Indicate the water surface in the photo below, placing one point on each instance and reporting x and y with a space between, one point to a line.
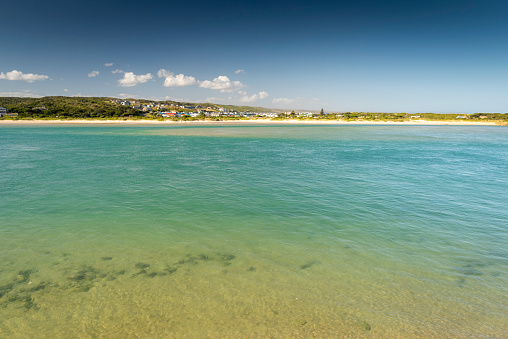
253 231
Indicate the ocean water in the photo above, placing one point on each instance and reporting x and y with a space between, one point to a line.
216 231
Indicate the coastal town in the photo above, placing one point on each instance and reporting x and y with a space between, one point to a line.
100 108
175 110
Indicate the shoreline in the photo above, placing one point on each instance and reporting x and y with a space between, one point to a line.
247 122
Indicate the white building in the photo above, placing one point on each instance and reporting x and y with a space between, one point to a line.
3 111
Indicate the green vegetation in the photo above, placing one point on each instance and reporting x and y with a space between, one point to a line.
67 107
246 108
349 116
59 107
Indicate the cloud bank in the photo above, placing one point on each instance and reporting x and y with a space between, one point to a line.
128 96
223 84
17 75
24 94
285 101
130 79
172 80
253 97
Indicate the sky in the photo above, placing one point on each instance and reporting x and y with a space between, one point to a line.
364 56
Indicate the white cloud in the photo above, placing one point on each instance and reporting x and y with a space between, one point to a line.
172 80
299 102
81 95
130 79
128 96
116 71
239 71
222 83
108 64
66 90
93 74
24 94
253 97
212 99
17 75
167 97
285 101
164 98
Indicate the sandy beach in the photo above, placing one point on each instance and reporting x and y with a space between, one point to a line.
244 122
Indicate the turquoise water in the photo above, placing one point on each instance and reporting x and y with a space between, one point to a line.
253 231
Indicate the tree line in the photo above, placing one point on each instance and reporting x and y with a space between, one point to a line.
67 107
101 107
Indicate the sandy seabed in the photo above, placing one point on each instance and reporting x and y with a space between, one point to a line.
245 122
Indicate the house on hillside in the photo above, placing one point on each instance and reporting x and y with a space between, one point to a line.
269 114
209 112
3 111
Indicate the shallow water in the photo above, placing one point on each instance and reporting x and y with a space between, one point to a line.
253 231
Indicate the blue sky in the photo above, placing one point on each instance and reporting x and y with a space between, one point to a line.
377 56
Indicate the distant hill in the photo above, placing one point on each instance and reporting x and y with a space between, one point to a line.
97 107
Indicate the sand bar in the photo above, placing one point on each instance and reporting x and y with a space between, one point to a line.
245 122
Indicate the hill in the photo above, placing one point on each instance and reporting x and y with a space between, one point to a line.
102 107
